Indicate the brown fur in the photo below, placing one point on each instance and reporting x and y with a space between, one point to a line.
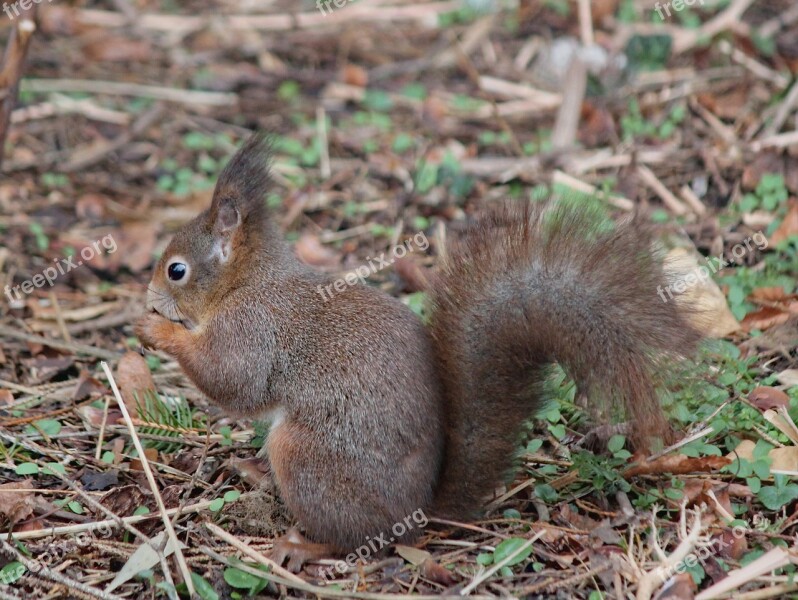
528 286
364 398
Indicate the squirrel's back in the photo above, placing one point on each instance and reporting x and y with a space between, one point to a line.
529 285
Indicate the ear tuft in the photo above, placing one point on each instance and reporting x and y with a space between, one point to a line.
245 180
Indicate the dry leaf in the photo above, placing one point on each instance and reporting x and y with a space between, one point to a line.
150 453
415 556
678 587
731 546
764 318
744 449
91 206
601 9
788 377
116 49
783 422
87 387
764 162
784 459
93 416
775 293
765 398
678 464
355 75
143 558
15 503
789 226
136 245
134 379
434 572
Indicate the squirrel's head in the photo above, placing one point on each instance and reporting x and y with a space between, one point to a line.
209 254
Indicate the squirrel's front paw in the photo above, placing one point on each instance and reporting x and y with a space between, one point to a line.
154 331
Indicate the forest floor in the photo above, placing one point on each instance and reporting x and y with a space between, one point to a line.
395 122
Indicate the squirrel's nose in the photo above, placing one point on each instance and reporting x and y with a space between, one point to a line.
152 298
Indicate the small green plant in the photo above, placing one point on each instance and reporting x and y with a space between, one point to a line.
229 497
755 470
447 173
508 547
243 582
779 494
42 241
634 125
770 193
170 420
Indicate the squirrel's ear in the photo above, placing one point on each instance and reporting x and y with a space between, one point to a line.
240 194
225 221
245 179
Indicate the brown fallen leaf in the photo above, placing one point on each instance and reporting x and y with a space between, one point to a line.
6 397
784 459
744 449
765 295
124 500
91 206
789 226
788 377
87 387
355 75
15 502
678 464
136 463
765 398
134 380
764 162
109 48
678 587
601 9
431 570
764 318
696 491
415 556
598 126
94 416
731 546
136 245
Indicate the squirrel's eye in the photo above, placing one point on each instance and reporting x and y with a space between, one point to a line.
177 271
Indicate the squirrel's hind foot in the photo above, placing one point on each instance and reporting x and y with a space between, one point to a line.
299 550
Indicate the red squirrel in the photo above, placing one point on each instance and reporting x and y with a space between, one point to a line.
375 415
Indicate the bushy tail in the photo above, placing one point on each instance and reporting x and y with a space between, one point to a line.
530 285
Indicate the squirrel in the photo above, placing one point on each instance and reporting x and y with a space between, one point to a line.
375 415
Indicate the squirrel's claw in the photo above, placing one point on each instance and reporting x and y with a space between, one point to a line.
298 550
